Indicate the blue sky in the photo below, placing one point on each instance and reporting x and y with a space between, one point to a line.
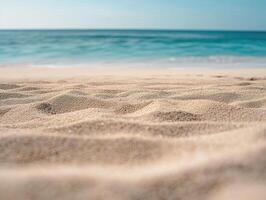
143 14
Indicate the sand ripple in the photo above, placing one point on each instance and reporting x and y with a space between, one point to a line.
165 137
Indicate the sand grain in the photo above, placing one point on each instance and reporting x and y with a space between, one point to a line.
132 136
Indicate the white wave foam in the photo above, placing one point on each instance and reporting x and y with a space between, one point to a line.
172 62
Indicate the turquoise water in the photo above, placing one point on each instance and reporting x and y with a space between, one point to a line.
60 47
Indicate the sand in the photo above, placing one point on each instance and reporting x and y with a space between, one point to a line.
93 134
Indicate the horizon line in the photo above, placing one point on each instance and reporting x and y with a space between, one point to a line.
128 29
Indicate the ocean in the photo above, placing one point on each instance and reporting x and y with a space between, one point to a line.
152 47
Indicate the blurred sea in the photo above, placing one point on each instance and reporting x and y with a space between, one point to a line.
158 47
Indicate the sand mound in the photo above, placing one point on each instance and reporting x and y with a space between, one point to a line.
164 136
172 116
71 101
9 95
8 86
4 111
130 108
216 111
20 114
29 88
258 103
46 108
244 84
154 106
225 97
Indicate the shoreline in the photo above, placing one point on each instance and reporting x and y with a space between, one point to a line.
18 73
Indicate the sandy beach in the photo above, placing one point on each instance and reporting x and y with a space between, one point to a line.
150 135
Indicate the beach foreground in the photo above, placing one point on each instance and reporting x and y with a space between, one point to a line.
80 134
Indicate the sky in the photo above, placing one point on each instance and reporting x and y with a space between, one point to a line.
133 14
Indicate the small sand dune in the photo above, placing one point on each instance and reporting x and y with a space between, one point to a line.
145 136
172 116
8 86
